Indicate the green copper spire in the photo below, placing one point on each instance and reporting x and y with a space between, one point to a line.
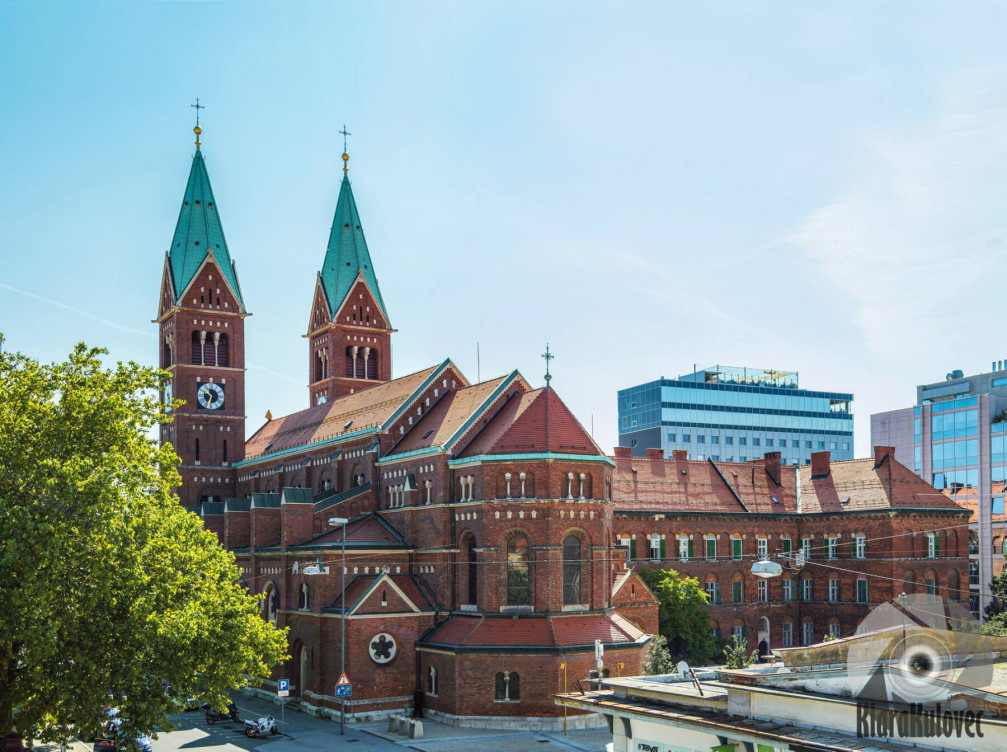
199 231
347 255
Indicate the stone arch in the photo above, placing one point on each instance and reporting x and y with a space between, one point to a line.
954 585
909 582
576 567
270 605
468 580
518 580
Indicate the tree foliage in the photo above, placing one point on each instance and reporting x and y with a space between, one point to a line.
110 587
659 660
998 603
736 655
684 622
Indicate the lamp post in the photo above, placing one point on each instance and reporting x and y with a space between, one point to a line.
343 521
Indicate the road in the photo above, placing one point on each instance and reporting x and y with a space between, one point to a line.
306 734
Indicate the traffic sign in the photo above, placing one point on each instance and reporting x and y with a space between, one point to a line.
344 690
283 688
343 680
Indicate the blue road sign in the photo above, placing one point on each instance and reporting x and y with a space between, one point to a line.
344 690
283 687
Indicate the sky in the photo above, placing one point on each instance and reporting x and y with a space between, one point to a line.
818 187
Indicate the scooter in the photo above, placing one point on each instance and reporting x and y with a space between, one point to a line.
212 716
266 724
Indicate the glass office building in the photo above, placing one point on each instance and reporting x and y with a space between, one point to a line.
955 437
733 414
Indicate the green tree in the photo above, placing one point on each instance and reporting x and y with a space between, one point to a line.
659 659
998 603
110 587
736 655
684 622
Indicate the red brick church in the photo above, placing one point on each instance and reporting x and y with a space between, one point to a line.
481 563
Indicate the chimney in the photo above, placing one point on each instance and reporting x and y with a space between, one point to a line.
655 454
880 452
679 454
623 452
819 464
772 461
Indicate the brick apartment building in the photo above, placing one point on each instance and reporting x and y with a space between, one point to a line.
870 529
481 566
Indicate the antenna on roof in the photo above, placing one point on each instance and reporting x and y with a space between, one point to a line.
479 370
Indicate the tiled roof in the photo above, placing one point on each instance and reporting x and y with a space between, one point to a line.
671 485
447 416
541 632
535 421
857 485
417 593
697 486
370 529
197 231
367 408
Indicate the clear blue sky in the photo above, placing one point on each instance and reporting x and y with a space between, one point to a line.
808 186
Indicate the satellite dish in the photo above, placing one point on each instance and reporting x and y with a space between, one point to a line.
765 568
684 671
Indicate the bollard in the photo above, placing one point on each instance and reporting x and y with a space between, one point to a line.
400 727
416 730
393 723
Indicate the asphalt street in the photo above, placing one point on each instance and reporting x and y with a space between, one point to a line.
303 733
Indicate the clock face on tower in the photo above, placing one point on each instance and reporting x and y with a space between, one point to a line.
210 396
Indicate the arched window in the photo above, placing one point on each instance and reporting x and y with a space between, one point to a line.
303 684
166 355
351 362
302 600
223 351
571 570
518 572
223 457
197 451
319 374
954 585
197 349
271 602
209 349
371 365
508 687
432 681
473 572
909 582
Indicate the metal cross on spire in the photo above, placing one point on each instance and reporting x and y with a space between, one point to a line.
197 130
346 156
547 356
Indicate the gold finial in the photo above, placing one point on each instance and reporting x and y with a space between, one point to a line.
346 155
269 414
197 130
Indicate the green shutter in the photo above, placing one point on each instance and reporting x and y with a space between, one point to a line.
736 548
662 550
937 545
692 549
632 550
711 548
786 546
737 592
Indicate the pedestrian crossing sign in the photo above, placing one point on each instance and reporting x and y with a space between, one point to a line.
344 680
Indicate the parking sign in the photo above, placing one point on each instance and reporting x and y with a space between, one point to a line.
283 688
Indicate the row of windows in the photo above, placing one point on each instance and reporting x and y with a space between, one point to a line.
955 454
686 438
506 685
210 349
829 548
740 631
954 425
788 590
956 479
518 571
735 421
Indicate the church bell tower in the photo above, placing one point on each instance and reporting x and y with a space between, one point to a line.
349 331
202 345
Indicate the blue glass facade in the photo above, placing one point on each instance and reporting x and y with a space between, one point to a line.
718 418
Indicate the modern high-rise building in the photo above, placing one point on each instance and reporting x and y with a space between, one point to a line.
954 437
731 414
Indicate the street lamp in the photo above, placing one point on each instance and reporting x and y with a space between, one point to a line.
342 521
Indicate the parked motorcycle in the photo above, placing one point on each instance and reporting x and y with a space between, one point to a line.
266 724
212 716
